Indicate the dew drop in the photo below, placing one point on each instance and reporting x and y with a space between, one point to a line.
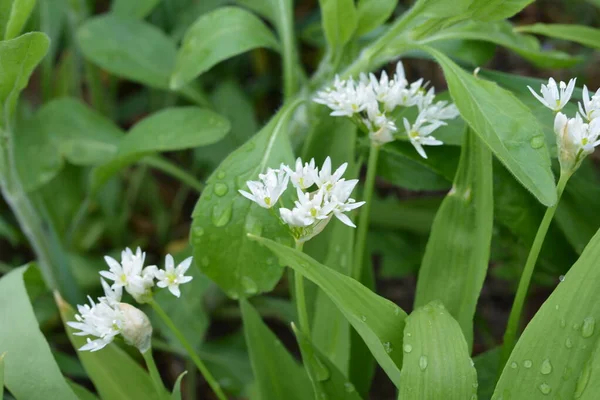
545 388
568 343
408 334
388 347
363 318
546 367
563 323
475 385
249 285
557 307
583 380
473 397
221 216
349 387
576 326
198 231
589 324
537 142
407 348
527 363
221 189
423 363
220 175
514 365
561 278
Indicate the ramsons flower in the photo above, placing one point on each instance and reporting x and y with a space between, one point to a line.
370 102
554 96
171 277
590 109
131 274
575 139
269 189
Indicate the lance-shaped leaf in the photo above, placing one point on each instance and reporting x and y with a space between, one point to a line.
277 374
493 10
114 373
13 16
378 321
328 381
223 217
339 19
176 393
217 36
558 354
584 35
505 125
371 14
456 258
24 350
436 361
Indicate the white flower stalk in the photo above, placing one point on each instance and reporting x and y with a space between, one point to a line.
370 102
575 140
302 177
269 189
419 134
171 277
554 96
131 274
590 109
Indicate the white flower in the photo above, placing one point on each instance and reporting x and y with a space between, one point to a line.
346 97
419 134
324 177
575 139
271 186
551 97
440 110
171 277
381 128
303 176
340 201
308 209
590 108
131 274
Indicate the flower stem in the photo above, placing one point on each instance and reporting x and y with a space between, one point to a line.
301 299
510 335
154 374
363 219
190 350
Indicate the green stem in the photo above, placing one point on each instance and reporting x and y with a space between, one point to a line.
190 350
301 299
285 29
154 374
510 334
363 219
174 170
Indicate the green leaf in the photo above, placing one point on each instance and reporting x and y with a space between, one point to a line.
222 216
2 375
442 8
558 351
114 373
26 352
170 129
18 59
584 35
436 362
486 365
217 36
13 16
492 10
378 321
456 259
339 19
503 33
277 374
133 8
128 48
81 392
505 125
371 14
412 215
176 394
328 381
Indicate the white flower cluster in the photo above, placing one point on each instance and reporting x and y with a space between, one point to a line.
369 103
312 209
575 137
109 317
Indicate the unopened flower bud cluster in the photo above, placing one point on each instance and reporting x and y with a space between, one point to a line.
370 101
578 136
319 194
108 317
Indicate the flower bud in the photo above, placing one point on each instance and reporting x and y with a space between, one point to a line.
137 329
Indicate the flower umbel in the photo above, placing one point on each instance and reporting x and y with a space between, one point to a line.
131 274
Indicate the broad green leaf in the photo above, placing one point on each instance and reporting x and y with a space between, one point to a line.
339 19
217 36
277 374
223 217
128 48
81 392
378 321
26 352
436 362
13 16
584 35
371 14
18 59
328 381
557 355
486 365
442 8
176 394
503 33
114 373
456 259
492 10
505 125
170 129
133 8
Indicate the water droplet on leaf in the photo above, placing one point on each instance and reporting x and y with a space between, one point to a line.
589 324
407 348
388 347
537 142
514 365
546 367
568 343
221 216
545 388
249 285
583 380
220 175
527 363
349 387
423 363
221 189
